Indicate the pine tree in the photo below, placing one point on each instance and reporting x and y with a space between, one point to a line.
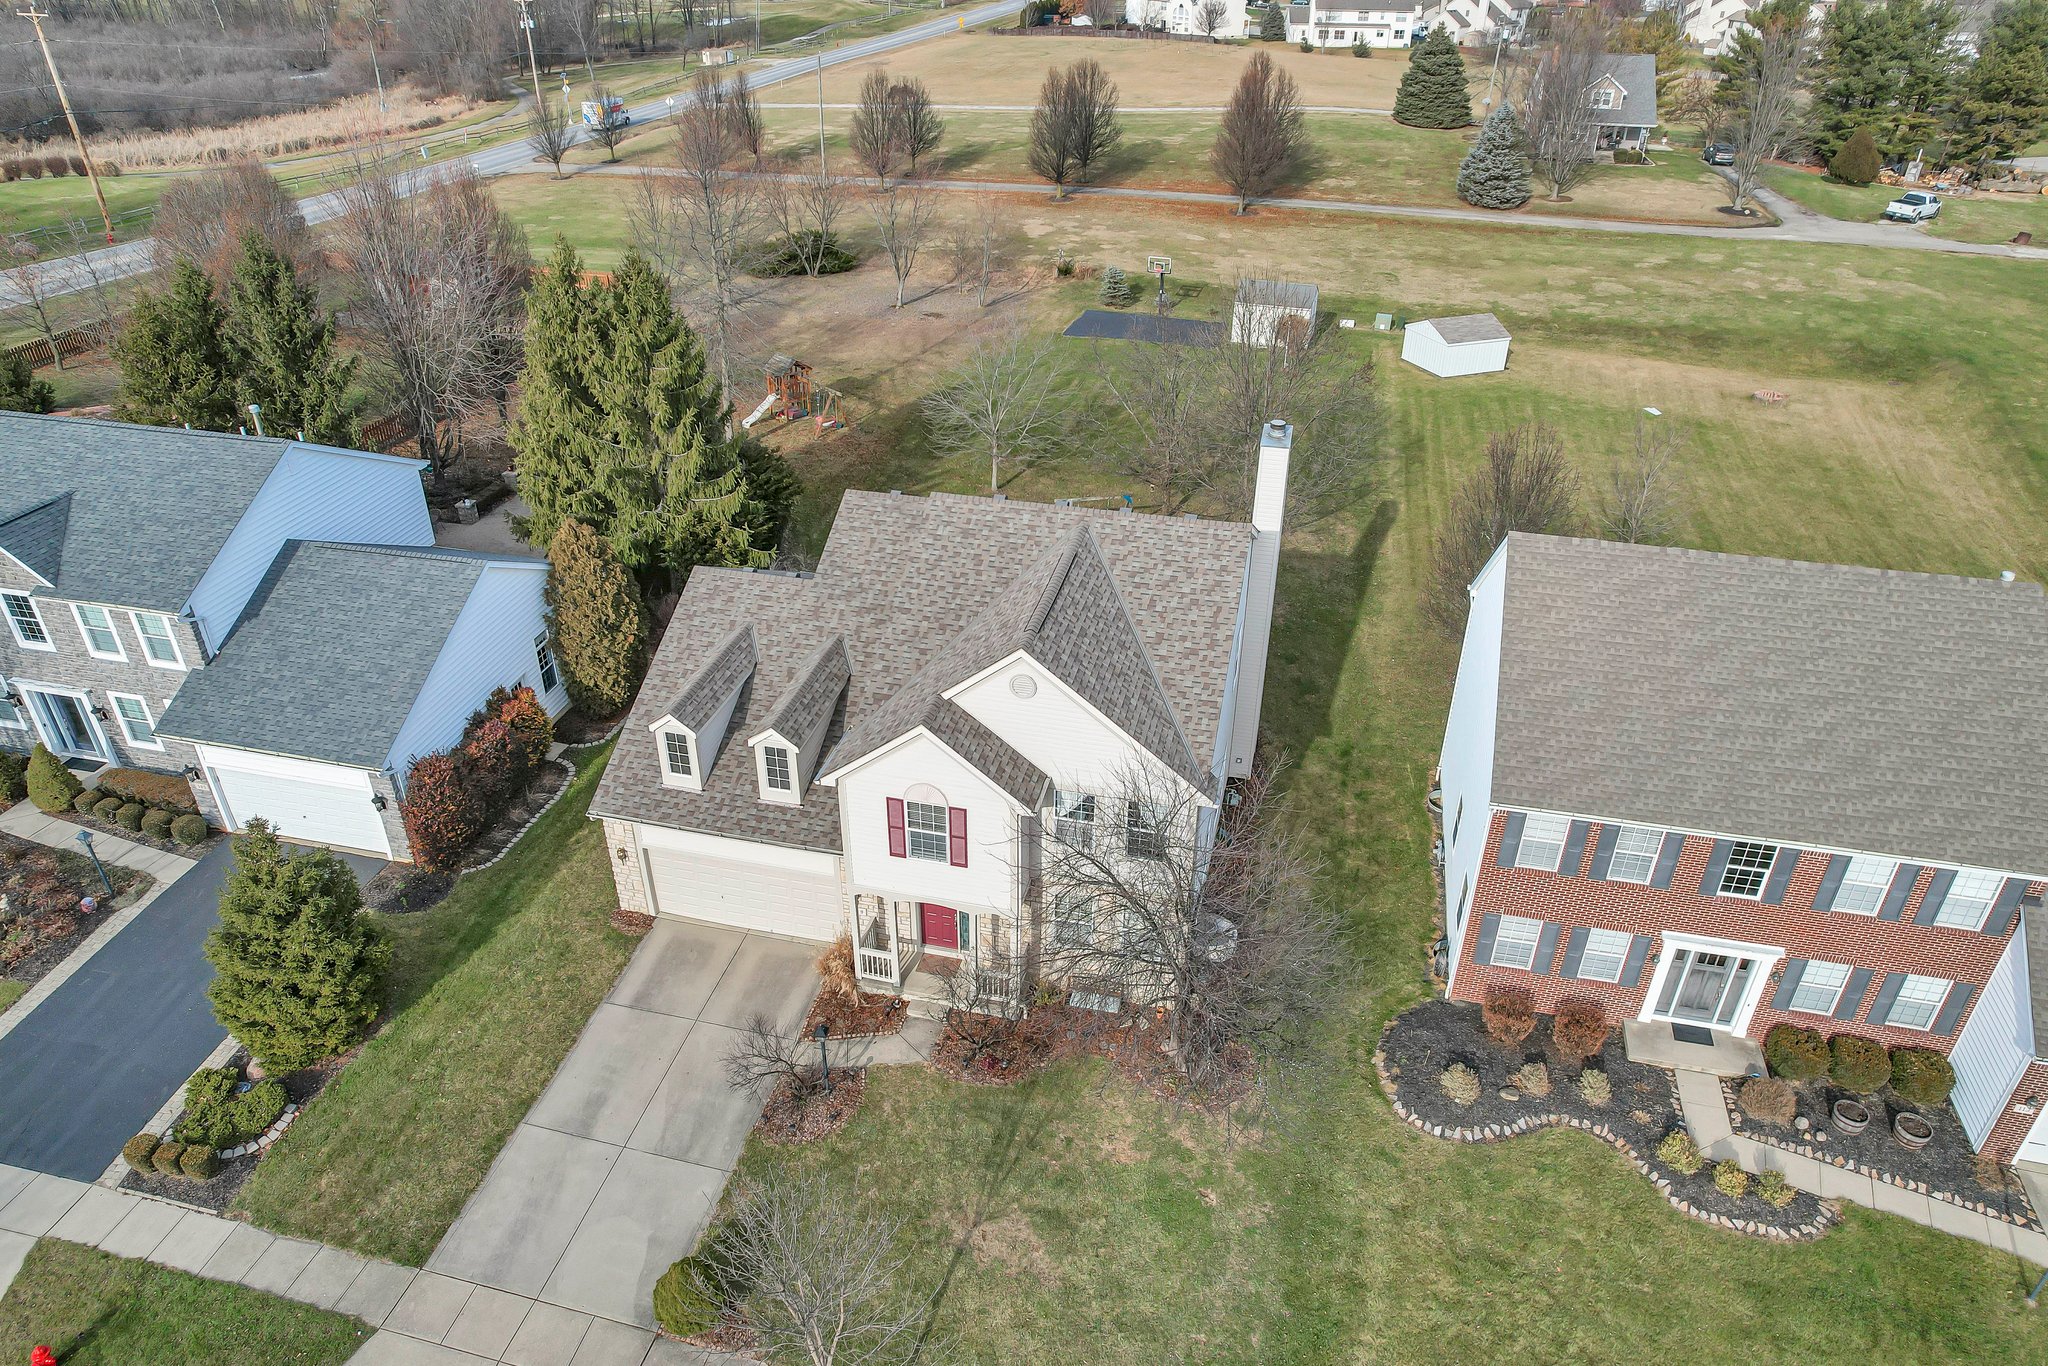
595 619
297 970
1273 24
1858 162
2004 105
20 390
1495 173
281 349
1433 92
174 366
1116 289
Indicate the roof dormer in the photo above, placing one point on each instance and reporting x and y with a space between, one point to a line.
792 735
689 733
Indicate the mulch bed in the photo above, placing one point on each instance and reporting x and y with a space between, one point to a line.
576 727
1946 1167
218 1191
43 887
732 1335
787 1120
845 1019
401 889
1421 1043
549 781
987 1051
100 827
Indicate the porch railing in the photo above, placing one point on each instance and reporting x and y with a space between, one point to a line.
875 956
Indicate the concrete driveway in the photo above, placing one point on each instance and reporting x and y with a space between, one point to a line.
616 1169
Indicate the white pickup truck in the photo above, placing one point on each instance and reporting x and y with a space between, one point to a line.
1914 206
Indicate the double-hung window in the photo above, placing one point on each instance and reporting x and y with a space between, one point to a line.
1864 883
1969 899
1635 854
545 657
1074 819
1820 988
1603 98
1918 1002
1514 942
11 716
159 646
1603 955
924 830
98 629
675 748
1143 836
26 622
136 722
775 764
1073 920
1749 867
1542 842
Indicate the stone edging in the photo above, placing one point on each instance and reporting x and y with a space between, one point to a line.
1850 1164
261 1143
1491 1133
569 770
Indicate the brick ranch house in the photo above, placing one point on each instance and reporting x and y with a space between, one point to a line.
1724 793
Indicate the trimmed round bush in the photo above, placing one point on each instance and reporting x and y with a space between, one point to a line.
1594 1087
138 1151
106 808
1858 1064
1731 1180
1858 161
1774 1190
51 786
218 1115
129 817
167 1157
199 1161
681 1305
1922 1076
189 829
1460 1083
1534 1079
1769 1099
1510 1013
85 801
156 823
1680 1153
1579 1029
1796 1054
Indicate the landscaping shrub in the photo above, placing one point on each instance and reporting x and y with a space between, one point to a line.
1579 1029
199 1161
1774 1190
85 801
167 1157
1858 1064
106 808
1594 1087
1307 46
138 1151
188 830
682 1304
1796 1054
13 777
156 823
595 620
1359 49
1769 1099
1460 1083
1434 92
789 257
1629 156
1858 161
1922 1076
1510 1013
151 789
1680 1153
1534 1079
219 1116
1495 173
1731 1180
1273 25
838 971
443 811
129 816
452 798
1116 288
51 786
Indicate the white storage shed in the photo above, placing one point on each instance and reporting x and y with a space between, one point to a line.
1273 312
1474 344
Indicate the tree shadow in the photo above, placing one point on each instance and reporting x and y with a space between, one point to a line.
1321 595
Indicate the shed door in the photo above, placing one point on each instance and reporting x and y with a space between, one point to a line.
337 811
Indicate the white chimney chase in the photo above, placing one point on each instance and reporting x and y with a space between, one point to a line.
1269 509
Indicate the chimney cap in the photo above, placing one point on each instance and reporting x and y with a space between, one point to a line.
2006 576
1276 427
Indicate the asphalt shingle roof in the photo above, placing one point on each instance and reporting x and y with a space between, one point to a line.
120 514
812 694
2034 943
331 652
1278 294
1850 708
1469 327
705 691
1636 73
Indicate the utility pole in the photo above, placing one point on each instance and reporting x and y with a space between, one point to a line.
36 17
526 22
821 117
377 22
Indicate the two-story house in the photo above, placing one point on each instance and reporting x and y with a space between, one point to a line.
1218 19
876 748
1392 23
252 612
1624 100
1476 23
1717 793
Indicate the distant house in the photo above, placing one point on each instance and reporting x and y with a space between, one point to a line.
1273 312
1471 344
1624 98
1343 23
1713 24
1198 18
1476 23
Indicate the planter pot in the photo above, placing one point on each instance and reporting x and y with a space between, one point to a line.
1849 1117
1912 1132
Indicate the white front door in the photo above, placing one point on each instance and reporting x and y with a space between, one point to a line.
65 722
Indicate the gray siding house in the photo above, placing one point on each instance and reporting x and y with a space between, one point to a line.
1624 99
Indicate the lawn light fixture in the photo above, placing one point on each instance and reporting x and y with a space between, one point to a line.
85 838
377 800
824 1063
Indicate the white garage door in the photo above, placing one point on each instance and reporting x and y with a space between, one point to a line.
302 809
800 902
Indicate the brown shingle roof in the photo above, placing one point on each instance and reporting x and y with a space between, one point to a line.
705 690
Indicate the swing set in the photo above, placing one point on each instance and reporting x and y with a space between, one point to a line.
792 394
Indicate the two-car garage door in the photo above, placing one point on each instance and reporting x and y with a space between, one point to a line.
791 892
306 802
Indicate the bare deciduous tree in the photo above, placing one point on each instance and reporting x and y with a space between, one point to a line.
1263 135
1209 18
983 243
1691 100
981 1010
762 1054
549 132
806 204
1525 485
202 218
1560 124
1770 98
1006 403
85 241
29 280
1167 393
439 277
904 217
1075 124
869 135
820 1275
1643 489
915 123
894 124
609 132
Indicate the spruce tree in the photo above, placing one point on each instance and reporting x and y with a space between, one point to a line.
297 971
1116 289
1495 173
20 390
1273 24
1858 162
1434 93
595 619
281 348
174 365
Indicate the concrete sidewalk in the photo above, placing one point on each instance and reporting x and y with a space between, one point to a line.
24 821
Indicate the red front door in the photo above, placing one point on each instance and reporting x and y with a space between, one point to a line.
941 926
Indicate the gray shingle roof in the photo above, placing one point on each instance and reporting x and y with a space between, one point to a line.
705 691
331 652
1850 708
1636 73
148 507
2034 931
812 694
916 587
1278 293
1469 327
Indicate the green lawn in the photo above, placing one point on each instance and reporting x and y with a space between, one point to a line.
11 991
489 990
26 205
1980 218
95 1310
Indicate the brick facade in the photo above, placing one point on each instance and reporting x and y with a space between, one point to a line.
2027 1099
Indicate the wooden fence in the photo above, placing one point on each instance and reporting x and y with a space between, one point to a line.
74 341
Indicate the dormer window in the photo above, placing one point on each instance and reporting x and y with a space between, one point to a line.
676 755
775 768
1603 97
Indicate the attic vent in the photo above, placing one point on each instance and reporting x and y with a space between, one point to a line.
1023 685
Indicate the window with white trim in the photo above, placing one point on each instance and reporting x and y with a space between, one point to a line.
1604 953
545 657
1864 883
1635 854
924 830
1603 97
1144 831
675 749
159 645
1073 920
775 766
1542 842
98 629
11 716
1969 899
1749 867
1074 819
26 622
1820 988
1918 1002
136 722
1514 942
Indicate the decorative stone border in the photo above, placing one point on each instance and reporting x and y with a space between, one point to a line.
1493 1133
1850 1164
261 1143
569 770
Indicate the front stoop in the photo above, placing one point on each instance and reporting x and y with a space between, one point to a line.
1730 1055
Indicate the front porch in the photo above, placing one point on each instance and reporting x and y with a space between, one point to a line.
913 949
1692 1048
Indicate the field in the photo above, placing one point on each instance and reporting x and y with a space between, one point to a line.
1977 218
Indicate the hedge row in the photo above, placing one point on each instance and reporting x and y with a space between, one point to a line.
453 797
155 822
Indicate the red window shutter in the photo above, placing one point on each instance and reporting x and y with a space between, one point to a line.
896 848
956 835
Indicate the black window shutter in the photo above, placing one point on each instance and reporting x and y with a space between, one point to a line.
1574 848
1937 892
1603 852
1782 864
1901 890
1852 994
1717 864
1795 968
1489 925
1831 882
2005 907
1510 839
1887 992
1952 1009
1574 949
1667 859
1638 950
1546 949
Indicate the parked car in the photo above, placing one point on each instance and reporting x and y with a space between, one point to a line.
1718 154
1914 206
